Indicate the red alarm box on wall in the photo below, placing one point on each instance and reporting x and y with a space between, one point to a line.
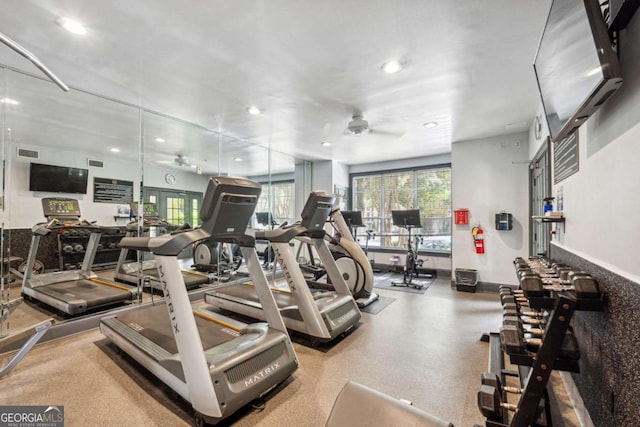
461 216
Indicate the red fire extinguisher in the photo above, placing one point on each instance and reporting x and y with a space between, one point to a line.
478 239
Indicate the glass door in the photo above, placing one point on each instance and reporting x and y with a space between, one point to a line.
539 188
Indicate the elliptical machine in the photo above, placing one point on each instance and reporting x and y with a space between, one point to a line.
409 219
350 258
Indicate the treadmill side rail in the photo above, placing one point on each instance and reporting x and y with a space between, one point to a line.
194 363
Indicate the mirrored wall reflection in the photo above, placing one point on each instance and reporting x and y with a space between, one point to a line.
5 279
72 165
179 158
90 159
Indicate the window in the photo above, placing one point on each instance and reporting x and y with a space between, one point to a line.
427 189
277 198
175 210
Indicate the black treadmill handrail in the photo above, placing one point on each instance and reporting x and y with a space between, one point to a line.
45 228
173 244
286 234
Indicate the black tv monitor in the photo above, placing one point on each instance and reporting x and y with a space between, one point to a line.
316 210
575 65
58 179
406 218
353 218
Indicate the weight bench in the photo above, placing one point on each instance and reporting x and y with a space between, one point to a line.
361 406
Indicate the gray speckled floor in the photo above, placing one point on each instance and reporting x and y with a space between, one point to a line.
424 348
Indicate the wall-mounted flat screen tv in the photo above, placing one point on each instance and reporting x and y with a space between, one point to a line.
58 179
576 67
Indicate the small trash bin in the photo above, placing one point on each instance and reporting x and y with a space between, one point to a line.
466 279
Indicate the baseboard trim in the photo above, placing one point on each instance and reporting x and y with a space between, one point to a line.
485 286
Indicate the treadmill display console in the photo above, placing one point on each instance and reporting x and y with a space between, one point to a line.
55 207
149 211
317 210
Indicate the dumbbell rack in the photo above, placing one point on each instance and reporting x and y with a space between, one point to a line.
533 400
72 258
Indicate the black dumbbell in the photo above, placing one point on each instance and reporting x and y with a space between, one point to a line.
68 266
78 247
514 299
511 309
79 266
493 380
585 286
490 403
532 286
518 323
67 249
112 245
100 246
513 342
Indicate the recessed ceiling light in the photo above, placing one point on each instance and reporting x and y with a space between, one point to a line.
158 139
326 144
115 150
8 101
237 159
391 67
193 166
253 110
71 25
430 125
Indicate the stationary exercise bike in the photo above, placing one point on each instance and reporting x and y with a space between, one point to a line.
409 219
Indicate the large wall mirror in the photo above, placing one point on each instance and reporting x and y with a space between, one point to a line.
130 171
76 153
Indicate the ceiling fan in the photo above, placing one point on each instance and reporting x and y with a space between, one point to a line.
359 126
181 160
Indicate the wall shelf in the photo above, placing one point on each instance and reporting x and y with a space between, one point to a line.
548 218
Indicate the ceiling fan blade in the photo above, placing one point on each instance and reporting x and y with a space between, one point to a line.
382 132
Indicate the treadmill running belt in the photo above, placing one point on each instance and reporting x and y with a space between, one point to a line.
95 294
154 324
190 279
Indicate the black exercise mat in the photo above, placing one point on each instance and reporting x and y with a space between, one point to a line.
378 305
384 282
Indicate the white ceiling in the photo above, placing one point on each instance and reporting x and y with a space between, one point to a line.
309 65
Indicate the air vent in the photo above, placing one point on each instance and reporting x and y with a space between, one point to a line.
95 163
28 154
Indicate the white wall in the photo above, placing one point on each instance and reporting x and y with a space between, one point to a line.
401 164
340 174
322 176
490 175
24 207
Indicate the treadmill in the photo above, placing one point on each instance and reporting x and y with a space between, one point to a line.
352 261
322 315
71 291
129 272
214 362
